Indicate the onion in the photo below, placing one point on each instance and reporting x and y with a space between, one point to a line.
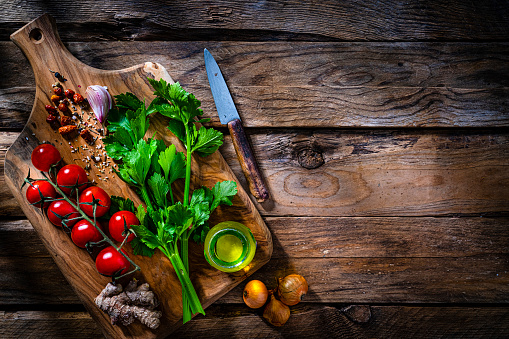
276 312
292 289
255 294
100 101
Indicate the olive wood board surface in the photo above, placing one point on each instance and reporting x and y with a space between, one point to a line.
41 44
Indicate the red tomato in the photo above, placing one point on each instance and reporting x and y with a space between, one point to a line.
110 262
84 232
45 155
117 222
70 176
61 209
39 191
98 195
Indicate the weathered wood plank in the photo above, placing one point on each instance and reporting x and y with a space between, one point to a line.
326 107
478 279
319 321
306 321
33 281
8 205
347 20
372 173
478 65
40 324
311 84
339 237
481 279
389 173
388 237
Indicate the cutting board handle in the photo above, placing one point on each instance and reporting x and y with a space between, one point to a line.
41 44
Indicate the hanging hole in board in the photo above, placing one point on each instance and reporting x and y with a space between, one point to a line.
36 35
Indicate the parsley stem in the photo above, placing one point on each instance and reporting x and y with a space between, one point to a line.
188 167
187 286
186 307
146 197
184 248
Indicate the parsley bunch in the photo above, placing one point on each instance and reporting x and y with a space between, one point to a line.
151 168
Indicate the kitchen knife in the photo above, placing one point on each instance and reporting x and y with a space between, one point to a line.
228 115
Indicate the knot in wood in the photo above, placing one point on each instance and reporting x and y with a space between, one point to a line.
310 159
358 313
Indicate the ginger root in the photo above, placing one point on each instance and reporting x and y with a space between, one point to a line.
136 302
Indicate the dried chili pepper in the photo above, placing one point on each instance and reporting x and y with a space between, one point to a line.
68 131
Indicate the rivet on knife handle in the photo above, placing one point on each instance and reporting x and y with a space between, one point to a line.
247 161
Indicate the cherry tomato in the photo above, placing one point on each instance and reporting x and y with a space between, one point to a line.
117 222
45 155
84 232
97 194
57 90
61 209
70 176
110 261
34 196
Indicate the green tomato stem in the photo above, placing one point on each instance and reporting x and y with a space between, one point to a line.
93 222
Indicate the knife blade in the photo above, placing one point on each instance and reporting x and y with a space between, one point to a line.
228 115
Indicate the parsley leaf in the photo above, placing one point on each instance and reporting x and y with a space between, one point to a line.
140 248
172 163
115 150
159 187
146 236
182 105
122 204
208 141
223 193
138 123
156 147
116 119
177 128
128 101
180 216
200 233
137 162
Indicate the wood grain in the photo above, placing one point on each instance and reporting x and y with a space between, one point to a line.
477 279
44 50
362 260
348 20
310 321
339 237
312 84
384 172
475 65
374 172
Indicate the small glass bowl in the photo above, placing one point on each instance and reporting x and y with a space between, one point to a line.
242 233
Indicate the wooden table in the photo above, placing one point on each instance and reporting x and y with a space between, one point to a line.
381 128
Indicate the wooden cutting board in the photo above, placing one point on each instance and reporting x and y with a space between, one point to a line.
41 44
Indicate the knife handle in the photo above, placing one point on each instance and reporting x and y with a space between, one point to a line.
247 161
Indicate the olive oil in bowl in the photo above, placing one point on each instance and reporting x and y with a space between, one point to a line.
229 246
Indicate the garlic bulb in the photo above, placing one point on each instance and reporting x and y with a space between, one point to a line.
100 101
